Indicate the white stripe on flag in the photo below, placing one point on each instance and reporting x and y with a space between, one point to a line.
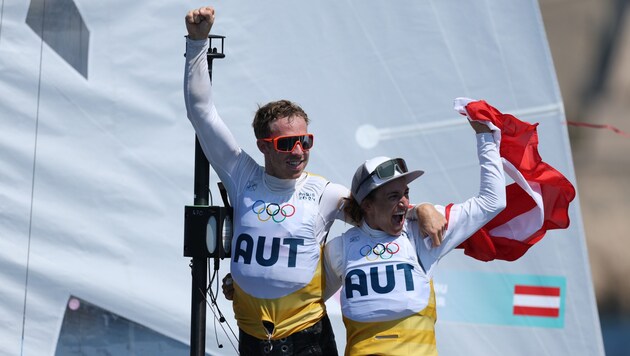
524 300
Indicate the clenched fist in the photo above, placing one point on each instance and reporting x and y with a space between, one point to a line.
199 22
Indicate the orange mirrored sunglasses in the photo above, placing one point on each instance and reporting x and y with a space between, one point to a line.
288 143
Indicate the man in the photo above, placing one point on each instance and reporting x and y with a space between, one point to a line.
386 266
282 214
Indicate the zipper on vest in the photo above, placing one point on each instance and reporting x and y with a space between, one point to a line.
269 329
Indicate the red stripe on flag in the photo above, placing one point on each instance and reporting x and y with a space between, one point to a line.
537 290
535 311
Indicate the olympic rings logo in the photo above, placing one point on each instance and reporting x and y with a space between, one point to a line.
382 251
273 211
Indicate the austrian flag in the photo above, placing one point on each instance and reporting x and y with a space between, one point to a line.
536 301
537 201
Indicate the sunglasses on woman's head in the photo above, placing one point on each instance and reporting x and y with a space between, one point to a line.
387 170
288 143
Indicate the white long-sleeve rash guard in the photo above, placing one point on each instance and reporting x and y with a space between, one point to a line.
280 225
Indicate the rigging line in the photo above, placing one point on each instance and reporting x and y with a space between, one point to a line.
1 18
234 346
217 306
214 305
385 133
230 339
412 129
214 302
30 218
599 126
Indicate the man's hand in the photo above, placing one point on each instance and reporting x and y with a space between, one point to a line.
431 222
228 287
199 22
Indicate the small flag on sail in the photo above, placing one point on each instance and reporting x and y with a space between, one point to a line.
537 201
536 301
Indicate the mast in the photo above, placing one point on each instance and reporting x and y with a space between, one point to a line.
198 220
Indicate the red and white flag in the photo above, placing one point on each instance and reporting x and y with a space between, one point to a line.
536 301
537 201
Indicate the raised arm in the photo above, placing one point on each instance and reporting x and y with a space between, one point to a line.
466 218
217 141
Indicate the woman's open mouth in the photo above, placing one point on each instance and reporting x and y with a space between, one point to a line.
398 218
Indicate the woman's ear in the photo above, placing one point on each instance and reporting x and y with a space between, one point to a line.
366 206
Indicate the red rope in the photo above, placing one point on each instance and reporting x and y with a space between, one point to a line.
597 126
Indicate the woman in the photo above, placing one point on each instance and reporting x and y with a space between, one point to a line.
386 266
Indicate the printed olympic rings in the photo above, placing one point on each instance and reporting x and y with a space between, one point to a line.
384 251
272 210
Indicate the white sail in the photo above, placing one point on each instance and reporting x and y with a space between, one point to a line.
96 156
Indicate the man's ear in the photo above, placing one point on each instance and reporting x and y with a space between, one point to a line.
262 147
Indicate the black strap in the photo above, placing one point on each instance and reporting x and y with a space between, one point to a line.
224 195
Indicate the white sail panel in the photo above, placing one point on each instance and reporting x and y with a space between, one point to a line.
97 162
